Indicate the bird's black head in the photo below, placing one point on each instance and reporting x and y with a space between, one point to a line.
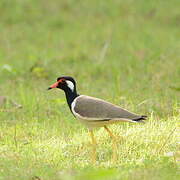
65 83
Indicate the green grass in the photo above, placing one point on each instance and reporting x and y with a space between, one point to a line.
126 52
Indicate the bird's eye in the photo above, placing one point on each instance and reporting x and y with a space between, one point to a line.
63 80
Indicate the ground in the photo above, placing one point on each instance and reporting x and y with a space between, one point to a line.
126 52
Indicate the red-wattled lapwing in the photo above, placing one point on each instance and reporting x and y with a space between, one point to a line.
94 112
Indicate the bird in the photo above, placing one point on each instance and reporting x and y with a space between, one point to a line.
94 112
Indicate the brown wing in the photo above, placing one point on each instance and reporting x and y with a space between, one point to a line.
89 107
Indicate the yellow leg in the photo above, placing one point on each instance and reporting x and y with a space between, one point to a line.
94 146
114 143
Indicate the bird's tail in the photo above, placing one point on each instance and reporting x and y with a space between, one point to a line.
140 119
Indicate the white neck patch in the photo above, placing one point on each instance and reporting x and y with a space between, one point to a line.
70 85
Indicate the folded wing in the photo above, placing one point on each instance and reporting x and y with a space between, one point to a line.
96 109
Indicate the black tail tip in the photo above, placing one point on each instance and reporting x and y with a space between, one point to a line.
143 117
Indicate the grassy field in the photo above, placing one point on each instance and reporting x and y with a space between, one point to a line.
126 52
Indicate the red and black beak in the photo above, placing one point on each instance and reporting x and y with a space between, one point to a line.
53 85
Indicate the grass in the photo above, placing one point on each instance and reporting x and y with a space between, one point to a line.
126 52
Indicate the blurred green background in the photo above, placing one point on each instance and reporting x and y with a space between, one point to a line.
126 52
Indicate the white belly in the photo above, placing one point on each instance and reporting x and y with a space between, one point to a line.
92 123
